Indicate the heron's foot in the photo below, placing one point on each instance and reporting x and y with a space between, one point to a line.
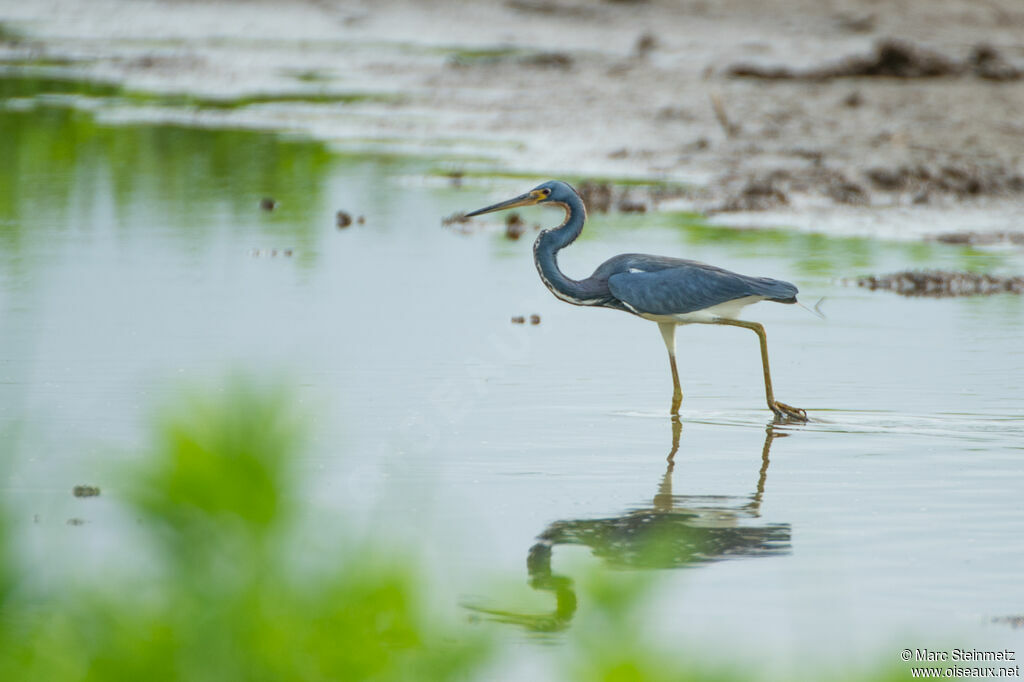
786 413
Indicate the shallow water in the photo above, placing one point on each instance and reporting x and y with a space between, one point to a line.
135 259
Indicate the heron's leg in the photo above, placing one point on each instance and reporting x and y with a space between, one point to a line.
668 333
781 410
663 498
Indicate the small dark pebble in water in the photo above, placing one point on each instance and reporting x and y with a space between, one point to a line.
644 45
342 219
518 319
534 319
76 522
1013 621
267 204
85 491
360 220
941 284
514 226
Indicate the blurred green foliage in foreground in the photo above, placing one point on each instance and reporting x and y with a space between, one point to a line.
228 596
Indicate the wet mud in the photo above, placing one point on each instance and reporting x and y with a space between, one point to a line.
894 58
943 284
918 184
739 100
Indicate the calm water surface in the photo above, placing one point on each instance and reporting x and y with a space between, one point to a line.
134 260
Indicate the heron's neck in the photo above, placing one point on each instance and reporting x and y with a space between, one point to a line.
545 255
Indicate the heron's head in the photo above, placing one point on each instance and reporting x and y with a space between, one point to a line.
550 192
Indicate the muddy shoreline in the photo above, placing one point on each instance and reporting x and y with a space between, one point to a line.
845 117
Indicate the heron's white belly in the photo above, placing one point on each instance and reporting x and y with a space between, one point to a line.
729 310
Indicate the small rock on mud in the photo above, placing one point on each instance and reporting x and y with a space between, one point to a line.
645 44
853 100
987 62
85 491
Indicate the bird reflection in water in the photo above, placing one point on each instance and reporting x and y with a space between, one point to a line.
676 531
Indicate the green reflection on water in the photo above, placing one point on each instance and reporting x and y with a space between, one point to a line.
22 82
28 86
61 166
9 35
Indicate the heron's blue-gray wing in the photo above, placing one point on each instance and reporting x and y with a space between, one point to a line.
692 286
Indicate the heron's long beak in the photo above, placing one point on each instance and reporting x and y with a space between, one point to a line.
528 199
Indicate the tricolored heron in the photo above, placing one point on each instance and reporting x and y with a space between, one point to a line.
669 291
